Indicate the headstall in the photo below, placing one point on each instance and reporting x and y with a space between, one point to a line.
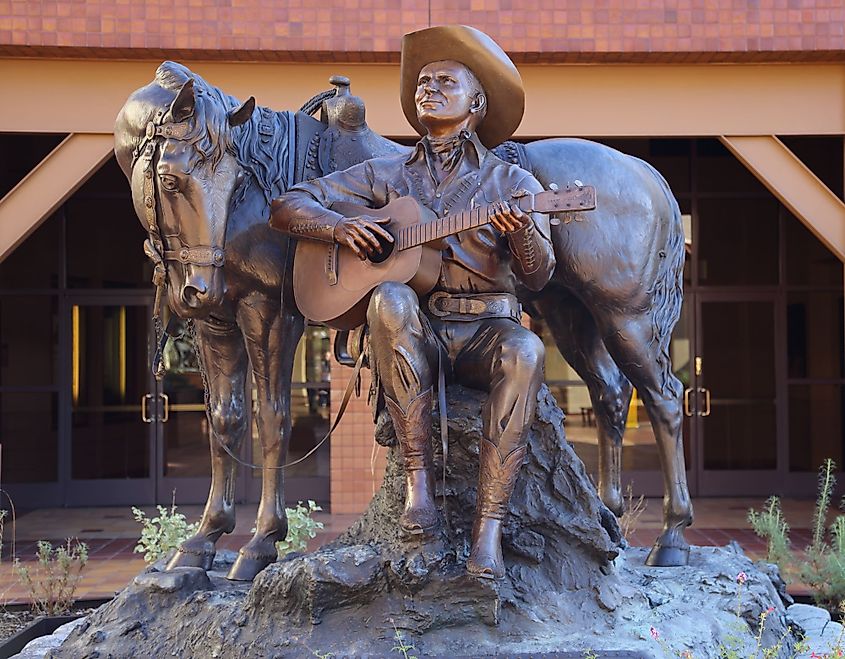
154 247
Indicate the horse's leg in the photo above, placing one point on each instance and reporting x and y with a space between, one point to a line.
630 340
578 339
271 336
222 353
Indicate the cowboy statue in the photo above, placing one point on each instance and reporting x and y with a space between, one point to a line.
463 94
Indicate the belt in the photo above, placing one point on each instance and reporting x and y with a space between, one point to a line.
474 306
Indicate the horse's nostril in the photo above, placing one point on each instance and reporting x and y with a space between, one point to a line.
193 296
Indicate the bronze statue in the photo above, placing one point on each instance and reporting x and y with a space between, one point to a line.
203 168
461 91
613 299
172 139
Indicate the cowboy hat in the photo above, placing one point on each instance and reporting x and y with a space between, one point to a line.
484 57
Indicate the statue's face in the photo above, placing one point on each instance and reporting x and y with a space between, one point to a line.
446 94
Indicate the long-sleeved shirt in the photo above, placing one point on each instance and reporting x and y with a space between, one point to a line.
480 260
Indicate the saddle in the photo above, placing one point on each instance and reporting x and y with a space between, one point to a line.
339 139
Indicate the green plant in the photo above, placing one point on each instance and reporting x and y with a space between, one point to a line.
163 533
822 564
301 527
823 569
401 647
770 525
736 641
53 579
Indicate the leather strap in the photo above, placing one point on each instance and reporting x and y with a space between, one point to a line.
474 306
200 255
347 395
444 420
154 245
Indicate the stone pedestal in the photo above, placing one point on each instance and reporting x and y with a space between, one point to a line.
570 586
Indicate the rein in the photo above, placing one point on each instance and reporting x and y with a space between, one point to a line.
154 247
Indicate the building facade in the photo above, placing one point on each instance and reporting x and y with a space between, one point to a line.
741 105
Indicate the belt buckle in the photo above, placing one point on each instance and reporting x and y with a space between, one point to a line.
432 304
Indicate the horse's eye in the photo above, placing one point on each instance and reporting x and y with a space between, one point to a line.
169 183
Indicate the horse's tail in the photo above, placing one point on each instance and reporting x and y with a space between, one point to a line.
667 294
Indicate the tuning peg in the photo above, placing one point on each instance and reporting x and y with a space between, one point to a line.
554 187
554 220
578 183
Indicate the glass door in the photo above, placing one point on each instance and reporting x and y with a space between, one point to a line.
112 394
732 400
183 452
310 420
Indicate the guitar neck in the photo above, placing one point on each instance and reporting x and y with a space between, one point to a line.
425 232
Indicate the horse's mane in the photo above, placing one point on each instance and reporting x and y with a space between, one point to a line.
209 132
260 144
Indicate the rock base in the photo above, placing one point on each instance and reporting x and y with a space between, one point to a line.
570 586
691 610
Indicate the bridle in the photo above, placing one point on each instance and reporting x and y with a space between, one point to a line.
155 134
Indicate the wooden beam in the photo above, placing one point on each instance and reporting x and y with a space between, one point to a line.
47 186
791 181
601 100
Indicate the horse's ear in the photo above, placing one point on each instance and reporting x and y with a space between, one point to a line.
183 105
243 113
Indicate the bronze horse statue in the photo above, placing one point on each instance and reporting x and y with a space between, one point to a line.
203 169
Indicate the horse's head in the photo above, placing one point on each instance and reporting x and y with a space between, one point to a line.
173 140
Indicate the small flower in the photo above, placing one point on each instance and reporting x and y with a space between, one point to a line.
654 634
741 578
813 655
770 609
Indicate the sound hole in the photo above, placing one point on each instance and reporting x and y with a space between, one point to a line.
386 251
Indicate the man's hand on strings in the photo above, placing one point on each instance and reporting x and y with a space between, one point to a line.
360 234
508 217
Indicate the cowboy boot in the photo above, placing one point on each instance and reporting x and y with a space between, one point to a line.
413 430
496 478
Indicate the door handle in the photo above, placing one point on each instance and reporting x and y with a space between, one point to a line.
146 398
687 410
706 392
165 399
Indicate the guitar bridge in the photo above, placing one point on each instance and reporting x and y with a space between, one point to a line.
331 264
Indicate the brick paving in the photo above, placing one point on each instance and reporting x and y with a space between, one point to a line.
111 535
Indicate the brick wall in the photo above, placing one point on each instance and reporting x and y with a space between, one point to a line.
354 476
370 30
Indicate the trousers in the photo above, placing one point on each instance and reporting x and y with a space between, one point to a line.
496 355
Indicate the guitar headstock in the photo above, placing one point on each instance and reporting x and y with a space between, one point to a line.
563 200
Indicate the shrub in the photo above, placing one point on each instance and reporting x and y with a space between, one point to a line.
53 579
633 510
161 535
770 525
301 528
822 566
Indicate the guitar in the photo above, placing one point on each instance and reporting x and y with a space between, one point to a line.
333 286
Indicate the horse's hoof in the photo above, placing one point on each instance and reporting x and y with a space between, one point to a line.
660 556
246 568
190 558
